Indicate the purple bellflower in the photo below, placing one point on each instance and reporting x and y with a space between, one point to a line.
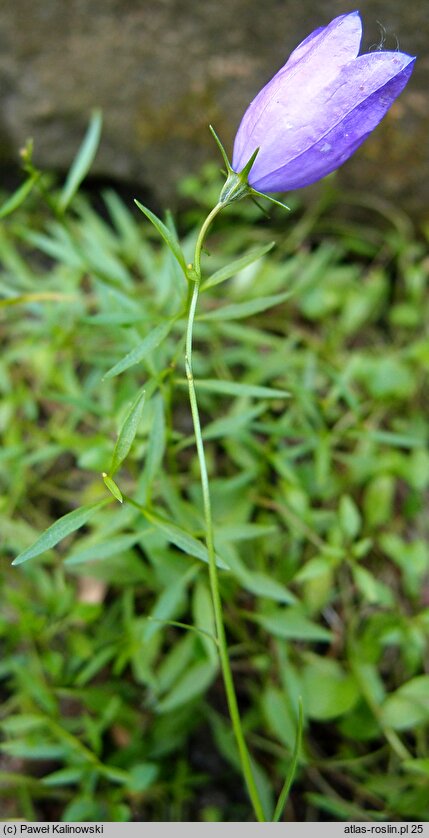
317 110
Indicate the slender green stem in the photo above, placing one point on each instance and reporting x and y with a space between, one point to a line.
213 572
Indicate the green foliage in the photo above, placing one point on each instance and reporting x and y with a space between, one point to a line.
82 162
310 363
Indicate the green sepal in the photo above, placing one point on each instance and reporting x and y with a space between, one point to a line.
236 185
246 171
269 198
221 149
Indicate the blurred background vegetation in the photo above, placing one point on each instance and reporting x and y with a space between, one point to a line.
110 708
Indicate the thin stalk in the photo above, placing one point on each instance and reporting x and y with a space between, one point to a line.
213 572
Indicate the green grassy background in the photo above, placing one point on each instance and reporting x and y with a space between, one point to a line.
108 709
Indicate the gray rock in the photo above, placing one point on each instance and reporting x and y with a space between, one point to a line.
161 71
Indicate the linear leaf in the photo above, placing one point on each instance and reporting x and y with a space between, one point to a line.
127 433
155 445
103 550
236 311
237 265
42 751
64 776
284 794
292 624
151 341
182 539
167 605
262 585
19 196
83 161
229 425
37 297
112 487
168 236
238 388
56 532
192 683
244 532
57 245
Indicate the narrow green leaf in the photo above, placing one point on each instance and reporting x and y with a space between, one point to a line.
127 434
19 196
258 583
182 539
113 318
96 662
151 341
58 245
22 725
168 604
390 438
279 714
41 751
230 425
236 311
195 681
292 624
37 297
262 585
177 624
82 162
112 487
237 265
56 532
168 236
238 388
103 550
64 777
155 445
284 794
204 618
244 532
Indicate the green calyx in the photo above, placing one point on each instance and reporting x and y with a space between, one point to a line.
236 185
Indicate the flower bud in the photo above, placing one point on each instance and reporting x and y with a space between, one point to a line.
318 109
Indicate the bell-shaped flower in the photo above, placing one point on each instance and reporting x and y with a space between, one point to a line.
319 108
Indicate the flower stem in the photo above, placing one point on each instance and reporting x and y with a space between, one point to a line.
213 572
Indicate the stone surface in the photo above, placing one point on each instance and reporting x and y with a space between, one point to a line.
161 70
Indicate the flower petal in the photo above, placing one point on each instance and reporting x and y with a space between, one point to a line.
343 34
311 66
336 123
